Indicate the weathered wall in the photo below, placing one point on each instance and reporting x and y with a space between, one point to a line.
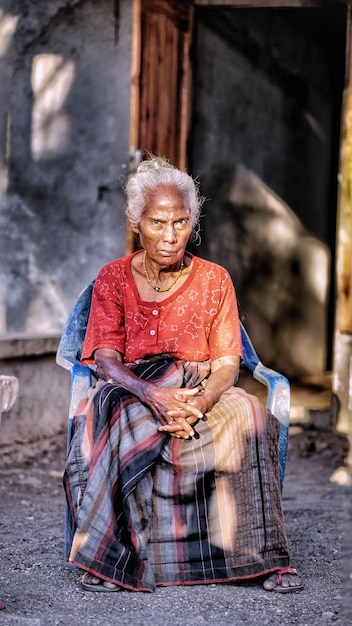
265 134
64 111
41 408
64 130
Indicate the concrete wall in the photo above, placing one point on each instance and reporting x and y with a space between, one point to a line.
40 412
64 130
64 110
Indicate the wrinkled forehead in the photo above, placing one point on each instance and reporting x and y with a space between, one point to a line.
165 196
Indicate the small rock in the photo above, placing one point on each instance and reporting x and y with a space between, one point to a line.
329 615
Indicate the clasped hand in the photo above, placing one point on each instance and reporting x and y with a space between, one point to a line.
178 410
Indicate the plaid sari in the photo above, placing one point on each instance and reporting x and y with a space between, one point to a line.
149 509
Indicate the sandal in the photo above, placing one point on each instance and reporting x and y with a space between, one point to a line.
90 582
279 588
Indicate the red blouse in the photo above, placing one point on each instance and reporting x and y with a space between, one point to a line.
197 322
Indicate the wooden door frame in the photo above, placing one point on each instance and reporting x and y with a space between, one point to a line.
136 114
136 58
135 76
141 97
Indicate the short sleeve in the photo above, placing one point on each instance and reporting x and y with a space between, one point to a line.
225 332
105 327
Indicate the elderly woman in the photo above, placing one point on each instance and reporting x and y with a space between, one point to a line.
172 474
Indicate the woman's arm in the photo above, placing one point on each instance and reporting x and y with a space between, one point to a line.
224 374
159 399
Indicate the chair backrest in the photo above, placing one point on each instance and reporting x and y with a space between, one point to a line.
71 343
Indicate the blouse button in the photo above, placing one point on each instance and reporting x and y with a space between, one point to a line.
155 312
152 332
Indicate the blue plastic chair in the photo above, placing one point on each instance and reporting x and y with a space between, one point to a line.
83 377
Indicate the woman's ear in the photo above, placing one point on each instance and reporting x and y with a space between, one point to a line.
133 226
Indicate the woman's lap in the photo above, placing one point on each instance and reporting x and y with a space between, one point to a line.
158 510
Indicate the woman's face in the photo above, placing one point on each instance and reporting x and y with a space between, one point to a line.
165 227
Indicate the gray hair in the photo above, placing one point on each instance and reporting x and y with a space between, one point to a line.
155 172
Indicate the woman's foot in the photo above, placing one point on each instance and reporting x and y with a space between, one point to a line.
283 581
90 582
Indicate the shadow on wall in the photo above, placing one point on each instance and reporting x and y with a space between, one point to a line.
64 111
31 299
281 274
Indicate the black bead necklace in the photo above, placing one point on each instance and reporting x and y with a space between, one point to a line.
155 287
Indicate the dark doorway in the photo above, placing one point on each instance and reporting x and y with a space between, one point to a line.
267 96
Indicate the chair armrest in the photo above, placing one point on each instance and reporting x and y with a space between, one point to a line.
81 382
67 362
278 388
278 403
81 379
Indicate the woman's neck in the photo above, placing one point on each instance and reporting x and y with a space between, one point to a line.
158 277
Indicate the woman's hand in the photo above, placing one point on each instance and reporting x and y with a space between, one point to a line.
183 420
175 410
160 400
224 374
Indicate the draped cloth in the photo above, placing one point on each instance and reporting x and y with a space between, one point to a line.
149 509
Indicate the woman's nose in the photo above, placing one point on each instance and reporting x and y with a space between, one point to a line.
170 233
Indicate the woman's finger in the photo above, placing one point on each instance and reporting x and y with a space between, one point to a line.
185 411
178 424
184 394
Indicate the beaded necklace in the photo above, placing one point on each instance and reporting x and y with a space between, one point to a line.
155 287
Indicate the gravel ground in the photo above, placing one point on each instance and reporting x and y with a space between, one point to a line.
38 589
